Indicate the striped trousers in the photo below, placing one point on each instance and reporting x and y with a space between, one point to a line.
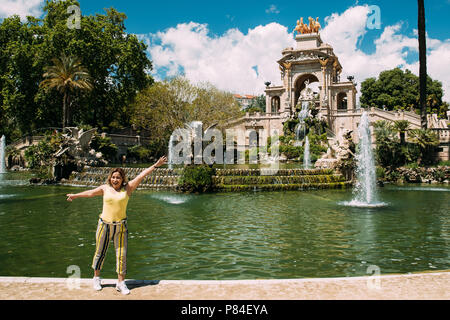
118 232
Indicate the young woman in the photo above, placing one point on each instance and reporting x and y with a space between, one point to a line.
112 224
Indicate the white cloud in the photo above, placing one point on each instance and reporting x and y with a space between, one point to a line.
241 62
345 31
23 8
235 61
272 9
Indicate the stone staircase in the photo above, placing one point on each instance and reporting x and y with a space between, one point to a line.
281 179
160 178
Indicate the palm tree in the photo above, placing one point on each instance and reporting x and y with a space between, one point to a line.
66 75
401 126
426 139
423 65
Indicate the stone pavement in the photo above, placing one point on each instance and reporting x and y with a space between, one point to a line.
417 286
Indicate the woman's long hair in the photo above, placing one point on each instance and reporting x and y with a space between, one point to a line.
122 174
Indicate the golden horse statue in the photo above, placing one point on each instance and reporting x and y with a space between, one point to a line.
303 28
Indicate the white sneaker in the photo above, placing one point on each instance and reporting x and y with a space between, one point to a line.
122 287
97 283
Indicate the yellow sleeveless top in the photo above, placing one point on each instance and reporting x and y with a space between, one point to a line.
114 205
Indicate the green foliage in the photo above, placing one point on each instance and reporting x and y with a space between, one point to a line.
116 61
66 75
426 140
412 165
168 105
252 152
196 178
388 149
253 109
105 146
439 174
289 126
145 153
316 132
286 138
317 126
380 173
399 90
40 156
258 104
393 176
392 152
290 151
139 153
401 126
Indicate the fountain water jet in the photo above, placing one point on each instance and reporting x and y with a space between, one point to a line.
170 156
306 155
302 115
2 154
365 190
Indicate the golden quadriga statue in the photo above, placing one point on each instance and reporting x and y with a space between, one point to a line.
312 27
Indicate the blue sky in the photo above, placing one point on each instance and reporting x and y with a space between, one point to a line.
153 16
219 17
199 37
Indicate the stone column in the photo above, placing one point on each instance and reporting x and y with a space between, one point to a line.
323 90
350 104
268 104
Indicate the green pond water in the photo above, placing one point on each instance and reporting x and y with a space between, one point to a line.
253 235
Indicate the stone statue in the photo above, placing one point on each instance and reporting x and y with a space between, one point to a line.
340 149
76 146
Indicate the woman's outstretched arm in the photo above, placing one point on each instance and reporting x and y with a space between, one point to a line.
86 194
133 184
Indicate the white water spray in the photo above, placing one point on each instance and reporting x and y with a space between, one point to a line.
301 127
170 157
306 155
365 190
2 155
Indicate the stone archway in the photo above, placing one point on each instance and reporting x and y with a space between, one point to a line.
342 102
275 104
300 84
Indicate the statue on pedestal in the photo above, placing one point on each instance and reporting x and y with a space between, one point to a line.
312 27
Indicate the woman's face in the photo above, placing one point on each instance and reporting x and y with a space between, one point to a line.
116 180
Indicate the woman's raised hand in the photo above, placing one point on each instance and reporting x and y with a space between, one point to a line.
161 161
69 197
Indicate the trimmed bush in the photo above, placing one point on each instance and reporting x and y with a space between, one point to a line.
196 178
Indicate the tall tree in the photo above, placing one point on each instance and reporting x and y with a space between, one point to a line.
165 106
116 60
399 90
66 75
423 64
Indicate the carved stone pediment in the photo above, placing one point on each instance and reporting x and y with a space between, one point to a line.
302 56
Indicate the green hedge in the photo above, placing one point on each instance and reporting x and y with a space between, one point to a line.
196 178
